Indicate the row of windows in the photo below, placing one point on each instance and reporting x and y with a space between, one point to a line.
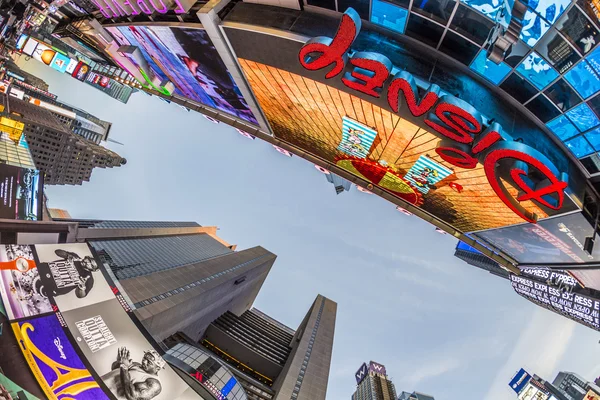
191 285
311 342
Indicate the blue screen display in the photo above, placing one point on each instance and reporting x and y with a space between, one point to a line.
537 71
534 28
583 117
389 16
562 127
549 9
579 146
594 138
488 69
583 79
489 8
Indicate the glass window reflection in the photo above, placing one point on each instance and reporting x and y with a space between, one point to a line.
438 10
557 51
593 137
424 30
583 79
471 24
562 95
579 30
489 8
488 69
459 48
583 117
579 146
537 71
562 128
389 15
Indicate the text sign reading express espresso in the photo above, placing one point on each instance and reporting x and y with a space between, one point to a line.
572 305
468 137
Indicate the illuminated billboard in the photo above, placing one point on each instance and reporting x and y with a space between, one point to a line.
29 46
362 372
43 53
81 71
60 62
71 66
190 61
21 192
21 41
519 381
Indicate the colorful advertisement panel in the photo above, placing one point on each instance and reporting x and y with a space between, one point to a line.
362 372
21 192
43 53
553 240
20 283
424 124
81 71
53 360
71 66
189 60
21 41
35 89
519 381
580 308
60 63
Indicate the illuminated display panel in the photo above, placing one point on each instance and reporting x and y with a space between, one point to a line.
389 15
21 41
44 53
30 46
488 69
21 192
190 61
537 71
60 63
310 115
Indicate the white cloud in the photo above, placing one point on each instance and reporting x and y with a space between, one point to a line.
431 370
539 350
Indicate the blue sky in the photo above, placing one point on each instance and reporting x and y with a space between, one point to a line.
439 325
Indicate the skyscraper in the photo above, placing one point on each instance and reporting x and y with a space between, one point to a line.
338 182
271 360
572 386
414 396
65 157
373 383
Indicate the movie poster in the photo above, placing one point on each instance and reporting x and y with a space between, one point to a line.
113 344
71 275
54 362
20 283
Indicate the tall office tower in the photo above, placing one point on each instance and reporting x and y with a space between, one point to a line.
573 386
475 258
272 361
177 276
338 182
373 383
65 157
415 396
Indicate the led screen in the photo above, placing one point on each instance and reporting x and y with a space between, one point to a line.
489 69
71 66
44 53
562 127
21 41
534 27
30 46
537 71
579 146
21 192
583 79
53 360
190 61
60 63
389 15
81 71
488 8
583 117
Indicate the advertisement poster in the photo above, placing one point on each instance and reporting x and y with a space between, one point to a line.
20 283
553 240
112 344
81 71
43 53
71 275
60 63
54 362
21 41
188 59
71 66
21 192
29 46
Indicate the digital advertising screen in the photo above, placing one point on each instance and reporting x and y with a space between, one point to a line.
60 63
81 71
21 192
71 66
21 41
29 47
431 136
43 53
187 57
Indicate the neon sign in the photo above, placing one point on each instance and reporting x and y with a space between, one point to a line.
124 8
468 137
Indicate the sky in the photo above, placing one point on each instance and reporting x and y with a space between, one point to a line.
439 326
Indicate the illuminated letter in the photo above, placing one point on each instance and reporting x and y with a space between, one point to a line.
179 9
494 133
455 119
144 7
512 161
370 72
456 154
134 11
403 81
162 10
119 8
321 52
102 9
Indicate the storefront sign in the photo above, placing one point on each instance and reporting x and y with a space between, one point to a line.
468 137
123 8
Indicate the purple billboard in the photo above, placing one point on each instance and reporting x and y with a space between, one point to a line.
377 368
361 373
54 362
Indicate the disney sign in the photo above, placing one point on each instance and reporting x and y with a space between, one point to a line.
468 138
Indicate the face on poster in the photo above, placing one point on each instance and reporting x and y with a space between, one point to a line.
189 60
20 193
53 360
71 275
20 283
119 353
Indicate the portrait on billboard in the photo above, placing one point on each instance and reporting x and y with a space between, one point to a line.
53 360
21 191
71 275
190 61
19 283
121 355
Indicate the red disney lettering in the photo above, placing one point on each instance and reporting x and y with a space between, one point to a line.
405 83
370 72
550 195
457 157
455 119
321 52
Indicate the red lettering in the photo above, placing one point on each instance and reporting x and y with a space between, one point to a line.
457 157
331 51
370 72
405 83
487 139
454 121
456 187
